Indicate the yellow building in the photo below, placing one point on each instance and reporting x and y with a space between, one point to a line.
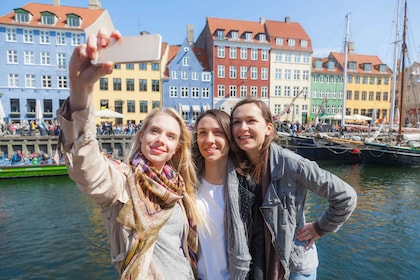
368 89
132 89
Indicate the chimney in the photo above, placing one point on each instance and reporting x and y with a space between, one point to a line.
94 4
287 19
56 2
190 34
262 20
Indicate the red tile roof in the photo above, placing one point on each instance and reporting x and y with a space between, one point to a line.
228 25
324 68
201 55
360 60
287 30
88 16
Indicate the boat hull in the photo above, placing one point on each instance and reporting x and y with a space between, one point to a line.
21 171
381 154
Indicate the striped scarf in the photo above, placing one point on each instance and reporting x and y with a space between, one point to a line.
153 195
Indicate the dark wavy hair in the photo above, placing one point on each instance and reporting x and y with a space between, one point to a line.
255 169
224 122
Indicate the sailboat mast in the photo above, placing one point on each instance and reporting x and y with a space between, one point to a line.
395 73
346 53
404 52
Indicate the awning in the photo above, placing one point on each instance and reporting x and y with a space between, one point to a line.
206 107
196 108
185 108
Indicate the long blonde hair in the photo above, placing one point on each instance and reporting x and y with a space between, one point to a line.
181 161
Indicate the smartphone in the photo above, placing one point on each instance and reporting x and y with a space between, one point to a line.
130 49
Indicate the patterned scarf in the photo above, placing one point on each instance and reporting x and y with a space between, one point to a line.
153 195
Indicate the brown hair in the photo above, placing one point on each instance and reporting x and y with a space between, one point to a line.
255 169
223 120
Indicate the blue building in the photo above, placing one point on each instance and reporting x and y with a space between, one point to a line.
187 86
36 43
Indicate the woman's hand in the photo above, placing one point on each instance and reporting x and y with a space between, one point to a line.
83 74
308 233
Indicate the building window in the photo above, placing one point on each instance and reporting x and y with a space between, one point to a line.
142 85
264 73
248 36
234 35
61 61
254 73
45 58
117 66
262 38
155 86
143 66
76 39
155 104
185 61
129 66
232 72
254 54
291 42
62 81
378 96
184 75
12 57
220 71
244 53
44 37
279 41
243 70
287 91
184 92
174 75
195 92
131 106
385 96
73 21
287 57
221 51
13 80
46 81
297 57
22 17
356 95
194 76
143 106
243 91
117 84
60 38
254 91
264 55
221 91
155 66
233 52
232 91
277 90
296 75
28 57
205 92
220 34
28 36
206 77
129 83
264 92
304 43
349 95
30 80
173 91
277 73
11 35
103 84
379 81
47 19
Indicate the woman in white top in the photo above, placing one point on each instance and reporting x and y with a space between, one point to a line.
223 251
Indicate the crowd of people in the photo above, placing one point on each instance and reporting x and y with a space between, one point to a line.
31 128
224 201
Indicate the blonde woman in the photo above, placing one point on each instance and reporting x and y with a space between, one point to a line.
148 201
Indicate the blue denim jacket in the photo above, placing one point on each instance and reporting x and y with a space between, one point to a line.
283 206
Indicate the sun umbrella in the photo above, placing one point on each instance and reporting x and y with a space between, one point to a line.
107 113
2 114
38 111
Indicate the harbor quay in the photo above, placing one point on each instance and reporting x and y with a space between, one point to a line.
115 146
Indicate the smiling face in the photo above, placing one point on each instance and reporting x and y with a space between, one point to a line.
211 140
249 129
159 141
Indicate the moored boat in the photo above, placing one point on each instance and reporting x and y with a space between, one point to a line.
24 170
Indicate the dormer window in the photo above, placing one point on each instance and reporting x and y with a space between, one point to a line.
47 18
220 34
279 41
352 65
291 42
367 67
304 43
73 20
262 37
22 16
248 36
234 35
382 68
331 65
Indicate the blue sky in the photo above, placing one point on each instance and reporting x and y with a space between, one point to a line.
372 22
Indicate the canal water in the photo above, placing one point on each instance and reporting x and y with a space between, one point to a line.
49 230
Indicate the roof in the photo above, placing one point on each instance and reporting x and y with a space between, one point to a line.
228 25
324 69
201 55
88 16
360 60
287 30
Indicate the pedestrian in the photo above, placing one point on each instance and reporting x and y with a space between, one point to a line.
281 241
147 201
223 250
